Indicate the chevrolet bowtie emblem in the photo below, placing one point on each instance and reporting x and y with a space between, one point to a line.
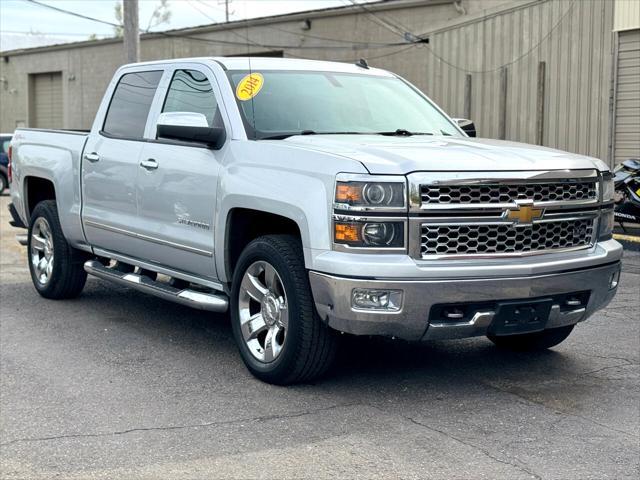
524 213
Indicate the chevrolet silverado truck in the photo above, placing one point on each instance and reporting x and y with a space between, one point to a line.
311 199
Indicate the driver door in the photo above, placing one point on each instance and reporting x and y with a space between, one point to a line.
177 183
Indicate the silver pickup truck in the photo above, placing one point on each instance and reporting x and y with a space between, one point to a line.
313 198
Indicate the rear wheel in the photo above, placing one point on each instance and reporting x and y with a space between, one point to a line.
3 183
533 341
56 268
280 336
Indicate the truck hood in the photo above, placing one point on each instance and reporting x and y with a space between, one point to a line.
403 155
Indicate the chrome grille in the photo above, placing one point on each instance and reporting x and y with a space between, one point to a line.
505 238
507 193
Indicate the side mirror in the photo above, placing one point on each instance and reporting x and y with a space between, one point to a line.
189 127
467 126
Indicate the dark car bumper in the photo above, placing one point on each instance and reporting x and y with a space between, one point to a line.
15 219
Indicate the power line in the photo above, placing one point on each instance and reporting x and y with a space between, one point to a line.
395 26
38 33
379 19
452 65
352 46
247 40
318 37
355 46
68 12
237 34
518 58
284 30
390 54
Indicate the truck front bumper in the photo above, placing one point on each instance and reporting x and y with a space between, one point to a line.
478 296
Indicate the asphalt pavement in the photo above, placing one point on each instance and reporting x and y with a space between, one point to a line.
117 384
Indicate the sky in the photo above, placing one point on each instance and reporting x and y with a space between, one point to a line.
24 24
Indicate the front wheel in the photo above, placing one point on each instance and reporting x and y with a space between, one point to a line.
56 268
281 338
533 341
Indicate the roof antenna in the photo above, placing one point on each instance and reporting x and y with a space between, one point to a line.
362 63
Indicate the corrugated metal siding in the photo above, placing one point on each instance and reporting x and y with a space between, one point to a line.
46 100
627 15
574 39
627 124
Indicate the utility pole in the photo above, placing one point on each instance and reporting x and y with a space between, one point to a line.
131 31
226 10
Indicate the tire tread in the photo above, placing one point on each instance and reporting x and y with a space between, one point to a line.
69 276
317 349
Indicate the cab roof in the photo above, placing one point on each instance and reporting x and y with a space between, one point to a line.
272 63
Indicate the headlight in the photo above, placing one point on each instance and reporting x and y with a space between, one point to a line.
608 190
369 234
352 194
605 231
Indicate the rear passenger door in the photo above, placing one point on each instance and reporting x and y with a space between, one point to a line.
177 183
110 163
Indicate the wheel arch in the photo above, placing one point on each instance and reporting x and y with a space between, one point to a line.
246 224
35 190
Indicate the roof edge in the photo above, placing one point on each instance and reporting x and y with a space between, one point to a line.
381 5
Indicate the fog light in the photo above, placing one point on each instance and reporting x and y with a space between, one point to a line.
613 281
373 299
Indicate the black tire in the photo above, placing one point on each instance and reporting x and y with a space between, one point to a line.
310 346
529 342
3 183
67 277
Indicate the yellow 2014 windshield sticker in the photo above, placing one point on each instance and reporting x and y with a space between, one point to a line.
249 86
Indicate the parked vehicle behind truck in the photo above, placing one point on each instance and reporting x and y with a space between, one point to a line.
5 141
311 198
626 183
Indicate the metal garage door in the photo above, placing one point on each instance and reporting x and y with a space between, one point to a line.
627 119
46 100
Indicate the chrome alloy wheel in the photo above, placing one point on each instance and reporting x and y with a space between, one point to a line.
42 250
263 311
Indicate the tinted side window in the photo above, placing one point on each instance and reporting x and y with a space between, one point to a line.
4 144
130 104
190 91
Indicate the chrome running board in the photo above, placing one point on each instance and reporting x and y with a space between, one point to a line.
191 298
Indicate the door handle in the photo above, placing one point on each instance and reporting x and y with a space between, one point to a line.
149 164
93 157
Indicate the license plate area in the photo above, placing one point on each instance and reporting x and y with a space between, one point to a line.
518 317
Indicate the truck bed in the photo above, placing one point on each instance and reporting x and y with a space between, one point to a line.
54 155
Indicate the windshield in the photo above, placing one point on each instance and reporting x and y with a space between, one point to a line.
276 104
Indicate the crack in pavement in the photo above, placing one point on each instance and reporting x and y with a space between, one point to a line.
563 412
471 445
607 368
605 357
261 418
476 447
453 437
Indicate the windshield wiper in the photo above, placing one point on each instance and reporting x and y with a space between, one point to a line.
401 132
282 136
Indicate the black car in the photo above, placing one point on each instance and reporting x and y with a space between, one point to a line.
5 140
